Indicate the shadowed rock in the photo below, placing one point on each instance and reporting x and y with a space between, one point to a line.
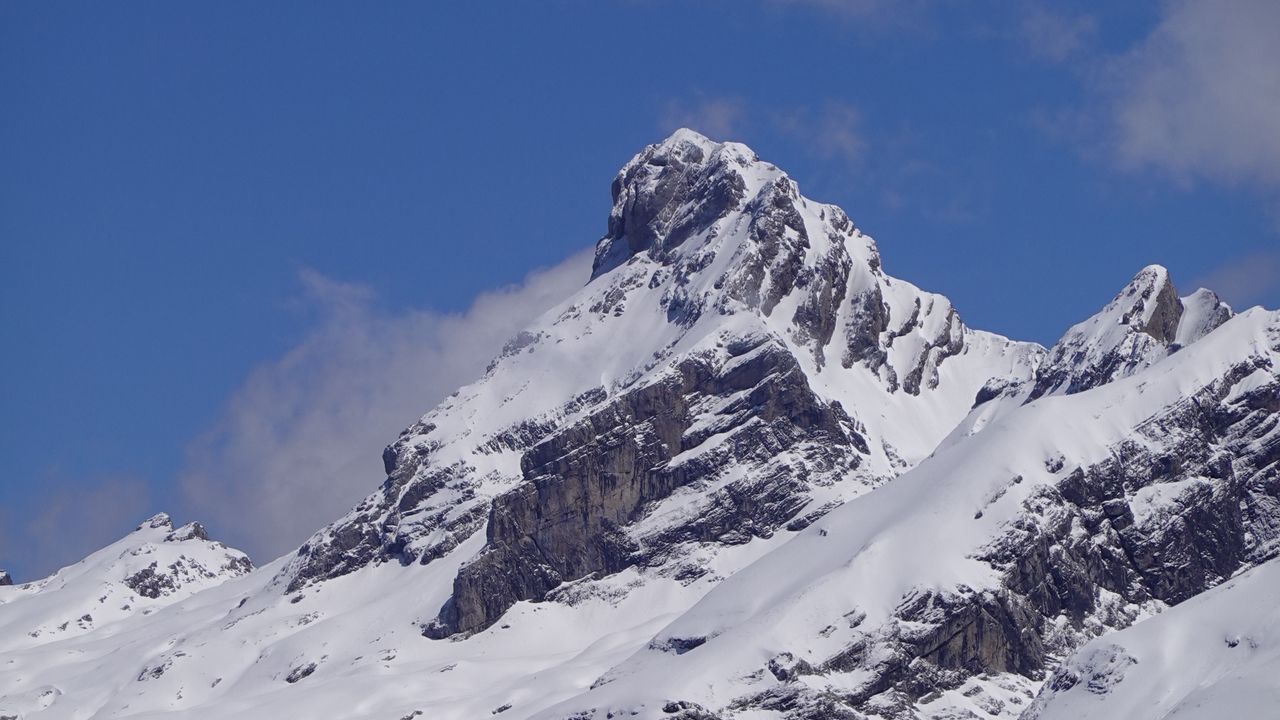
586 483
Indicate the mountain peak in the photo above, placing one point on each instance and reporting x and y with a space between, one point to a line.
684 137
149 568
1202 311
674 190
735 335
1143 323
162 521
1149 304
741 470
159 520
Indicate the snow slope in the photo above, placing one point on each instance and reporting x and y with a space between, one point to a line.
152 567
1214 656
350 647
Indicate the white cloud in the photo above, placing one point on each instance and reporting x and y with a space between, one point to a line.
719 118
1200 96
300 441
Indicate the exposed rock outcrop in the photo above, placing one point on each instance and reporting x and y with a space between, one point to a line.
707 419
666 194
156 580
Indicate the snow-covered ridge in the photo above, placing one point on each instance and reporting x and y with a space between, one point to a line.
1144 323
153 566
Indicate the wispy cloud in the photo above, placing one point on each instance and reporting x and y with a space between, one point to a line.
1200 96
832 131
70 522
1246 281
719 118
300 441
1055 36
866 14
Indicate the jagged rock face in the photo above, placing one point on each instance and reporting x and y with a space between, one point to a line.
1144 323
707 249
588 482
150 584
1174 511
1212 656
689 190
667 194
4 578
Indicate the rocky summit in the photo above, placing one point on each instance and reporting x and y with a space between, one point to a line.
742 472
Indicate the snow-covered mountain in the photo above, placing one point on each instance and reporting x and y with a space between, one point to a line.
742 473
738 362
150 568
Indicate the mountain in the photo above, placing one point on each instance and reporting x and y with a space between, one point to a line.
154 566
738 362
742 472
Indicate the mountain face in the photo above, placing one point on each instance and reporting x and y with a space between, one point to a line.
739 363
743 472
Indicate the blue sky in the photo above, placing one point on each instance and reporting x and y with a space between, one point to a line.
242 244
